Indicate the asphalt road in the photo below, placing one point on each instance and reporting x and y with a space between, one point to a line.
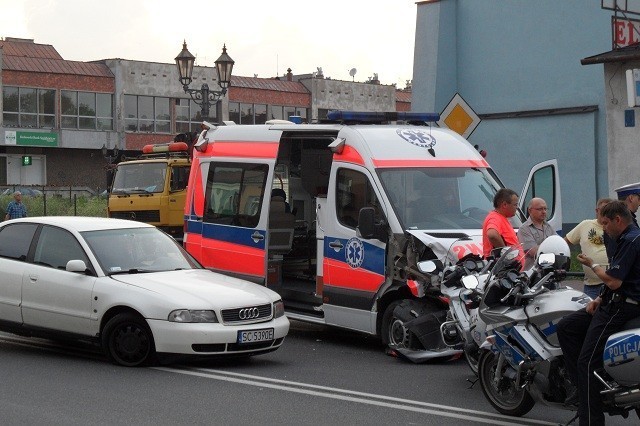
321 376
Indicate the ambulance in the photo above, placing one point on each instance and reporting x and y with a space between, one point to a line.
335 216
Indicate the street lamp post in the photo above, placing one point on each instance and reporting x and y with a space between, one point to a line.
204 97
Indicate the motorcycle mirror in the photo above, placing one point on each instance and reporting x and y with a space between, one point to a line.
546 259
470 281
430 266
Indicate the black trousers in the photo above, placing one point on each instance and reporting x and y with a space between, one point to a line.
582 338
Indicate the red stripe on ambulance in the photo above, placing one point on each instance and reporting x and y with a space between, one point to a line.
344 276
243 149
224 256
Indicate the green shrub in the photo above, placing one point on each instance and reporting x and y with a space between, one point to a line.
59 206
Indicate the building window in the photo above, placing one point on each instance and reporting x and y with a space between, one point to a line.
234 112
276 112
189 115
86 110
28 107
260 113
147 114
279 112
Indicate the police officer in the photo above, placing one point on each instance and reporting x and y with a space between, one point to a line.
630 194
583 334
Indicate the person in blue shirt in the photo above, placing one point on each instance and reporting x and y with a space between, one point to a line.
583 334
16 209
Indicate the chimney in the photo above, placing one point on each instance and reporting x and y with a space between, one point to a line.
289 75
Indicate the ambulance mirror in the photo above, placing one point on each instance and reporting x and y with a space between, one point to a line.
366 222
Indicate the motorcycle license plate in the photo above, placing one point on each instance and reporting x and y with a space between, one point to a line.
253 336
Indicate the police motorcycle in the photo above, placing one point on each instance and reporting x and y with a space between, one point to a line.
521 361
462 284
418 332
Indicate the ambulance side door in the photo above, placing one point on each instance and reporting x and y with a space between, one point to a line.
234 217
544 182
353 267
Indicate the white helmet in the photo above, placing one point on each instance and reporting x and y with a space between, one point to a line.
554 244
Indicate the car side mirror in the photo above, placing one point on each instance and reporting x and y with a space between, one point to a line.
366 223
76 266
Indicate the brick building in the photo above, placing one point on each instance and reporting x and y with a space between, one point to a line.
65 114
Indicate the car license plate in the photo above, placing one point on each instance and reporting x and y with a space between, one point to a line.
253 336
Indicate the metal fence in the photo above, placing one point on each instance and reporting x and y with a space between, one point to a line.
56 201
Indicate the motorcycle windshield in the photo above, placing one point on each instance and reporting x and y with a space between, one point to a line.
442 198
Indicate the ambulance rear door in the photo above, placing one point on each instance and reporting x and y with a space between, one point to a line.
235 214
544 182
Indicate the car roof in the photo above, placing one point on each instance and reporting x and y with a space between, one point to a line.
84 223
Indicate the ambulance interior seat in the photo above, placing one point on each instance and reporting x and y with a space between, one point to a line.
281 225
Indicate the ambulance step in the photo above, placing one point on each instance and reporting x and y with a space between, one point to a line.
303 309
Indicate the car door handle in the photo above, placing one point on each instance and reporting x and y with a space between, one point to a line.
257 236
336 245
33 278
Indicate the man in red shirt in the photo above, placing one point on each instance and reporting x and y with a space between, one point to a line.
496 229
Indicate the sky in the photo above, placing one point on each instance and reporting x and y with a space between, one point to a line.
263 37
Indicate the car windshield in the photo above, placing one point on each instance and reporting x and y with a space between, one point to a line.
137 250
441 198
139 177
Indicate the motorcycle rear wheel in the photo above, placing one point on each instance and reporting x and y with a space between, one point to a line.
503 395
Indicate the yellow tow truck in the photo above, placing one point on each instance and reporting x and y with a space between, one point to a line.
152 188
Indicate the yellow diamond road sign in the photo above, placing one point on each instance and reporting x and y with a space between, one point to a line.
459 117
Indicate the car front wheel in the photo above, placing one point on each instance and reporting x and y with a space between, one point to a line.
127 340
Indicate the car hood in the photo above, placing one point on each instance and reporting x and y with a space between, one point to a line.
200 287
448 245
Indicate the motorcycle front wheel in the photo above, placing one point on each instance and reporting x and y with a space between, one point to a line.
472 356
502 392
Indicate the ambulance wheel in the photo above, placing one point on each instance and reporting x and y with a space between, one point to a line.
393 331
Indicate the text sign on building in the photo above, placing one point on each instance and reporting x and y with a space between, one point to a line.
459 117
624 31
12 137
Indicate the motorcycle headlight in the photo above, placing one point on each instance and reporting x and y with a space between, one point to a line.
189 315
278 309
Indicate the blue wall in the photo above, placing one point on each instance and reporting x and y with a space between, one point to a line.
508 56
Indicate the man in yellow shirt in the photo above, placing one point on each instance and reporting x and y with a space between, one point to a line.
590 236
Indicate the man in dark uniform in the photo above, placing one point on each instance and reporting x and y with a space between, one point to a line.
583 334
630 194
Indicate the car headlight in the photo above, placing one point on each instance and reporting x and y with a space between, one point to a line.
188 315
278 309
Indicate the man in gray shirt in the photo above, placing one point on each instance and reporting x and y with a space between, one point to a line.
534 230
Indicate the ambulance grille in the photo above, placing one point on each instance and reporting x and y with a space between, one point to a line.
146 216
247 314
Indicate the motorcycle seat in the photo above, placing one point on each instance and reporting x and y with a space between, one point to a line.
634 323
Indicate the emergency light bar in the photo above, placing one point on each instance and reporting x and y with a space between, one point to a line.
165 147
378 117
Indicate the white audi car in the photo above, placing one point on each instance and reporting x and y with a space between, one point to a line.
130 288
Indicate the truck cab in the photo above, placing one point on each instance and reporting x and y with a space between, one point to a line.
152 188
335 216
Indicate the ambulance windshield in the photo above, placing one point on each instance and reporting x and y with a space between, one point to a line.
441 198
